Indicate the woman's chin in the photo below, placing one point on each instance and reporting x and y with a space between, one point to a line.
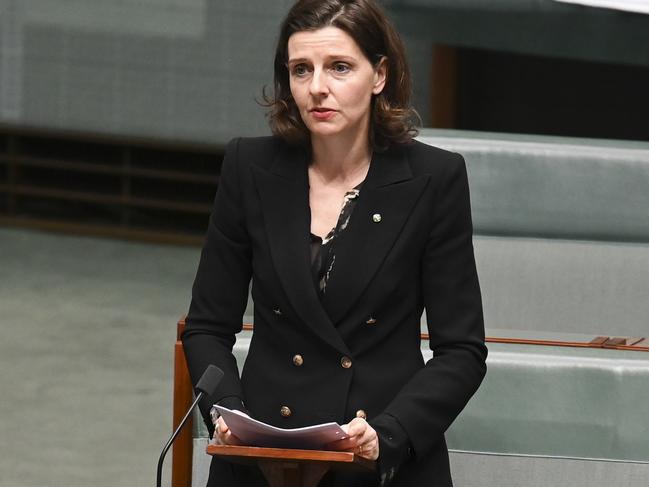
330 130
324 132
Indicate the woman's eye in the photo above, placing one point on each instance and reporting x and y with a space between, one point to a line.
300 70
341 68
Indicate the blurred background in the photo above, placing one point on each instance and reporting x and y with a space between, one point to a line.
113 119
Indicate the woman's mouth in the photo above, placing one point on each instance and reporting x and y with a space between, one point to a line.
322 113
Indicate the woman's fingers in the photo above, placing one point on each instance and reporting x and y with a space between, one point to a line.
362 441
368 444
356 427
223 435
369 450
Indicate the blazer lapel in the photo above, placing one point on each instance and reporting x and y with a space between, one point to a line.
284 194
385 202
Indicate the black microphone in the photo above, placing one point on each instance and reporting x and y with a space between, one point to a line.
206 385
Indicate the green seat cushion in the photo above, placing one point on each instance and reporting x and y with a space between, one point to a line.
559 402
555 187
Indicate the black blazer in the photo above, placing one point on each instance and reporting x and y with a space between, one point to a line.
361 344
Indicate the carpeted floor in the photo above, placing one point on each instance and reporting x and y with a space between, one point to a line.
87 327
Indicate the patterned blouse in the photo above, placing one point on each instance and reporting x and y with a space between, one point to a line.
323 253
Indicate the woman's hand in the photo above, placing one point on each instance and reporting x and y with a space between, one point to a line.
363 440
223 435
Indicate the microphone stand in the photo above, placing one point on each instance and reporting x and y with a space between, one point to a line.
207 386
173 437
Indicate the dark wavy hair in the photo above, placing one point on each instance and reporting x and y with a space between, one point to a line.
393 120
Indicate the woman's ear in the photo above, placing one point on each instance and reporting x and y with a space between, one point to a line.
380 76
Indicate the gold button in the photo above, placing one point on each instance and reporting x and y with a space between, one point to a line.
285 411
277 311
361 414
298 360
371 321
376 217
346 362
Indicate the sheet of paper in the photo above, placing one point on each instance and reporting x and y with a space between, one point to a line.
640 6
256 433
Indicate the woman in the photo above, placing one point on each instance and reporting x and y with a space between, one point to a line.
348 229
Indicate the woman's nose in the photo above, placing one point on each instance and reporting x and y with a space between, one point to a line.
318 84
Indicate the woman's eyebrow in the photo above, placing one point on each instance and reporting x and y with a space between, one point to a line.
341 57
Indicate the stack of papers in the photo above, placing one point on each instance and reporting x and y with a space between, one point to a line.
256 433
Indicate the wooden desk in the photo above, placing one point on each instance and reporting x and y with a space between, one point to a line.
292 468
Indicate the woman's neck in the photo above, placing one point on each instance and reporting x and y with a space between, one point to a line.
337 160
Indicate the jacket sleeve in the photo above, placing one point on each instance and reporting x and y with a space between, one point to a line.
220 290
432 398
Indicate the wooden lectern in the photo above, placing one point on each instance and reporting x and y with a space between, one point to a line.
292 468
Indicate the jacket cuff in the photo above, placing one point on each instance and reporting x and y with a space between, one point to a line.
230 402
233 402
394 446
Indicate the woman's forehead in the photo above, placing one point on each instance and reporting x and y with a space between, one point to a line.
325 42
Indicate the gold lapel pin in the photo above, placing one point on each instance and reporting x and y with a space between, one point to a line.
376 217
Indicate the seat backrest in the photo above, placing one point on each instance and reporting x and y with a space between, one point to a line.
561 230
553 187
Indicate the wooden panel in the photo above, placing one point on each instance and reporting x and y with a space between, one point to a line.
98 168
181 468
114 186
292 467
553 343
443 87
291 454
626 343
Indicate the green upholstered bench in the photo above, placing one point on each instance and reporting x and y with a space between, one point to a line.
555 416
561 230
562 247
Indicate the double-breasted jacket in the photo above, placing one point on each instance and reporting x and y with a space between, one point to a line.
407 247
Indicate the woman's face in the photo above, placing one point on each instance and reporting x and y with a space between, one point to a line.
332 82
